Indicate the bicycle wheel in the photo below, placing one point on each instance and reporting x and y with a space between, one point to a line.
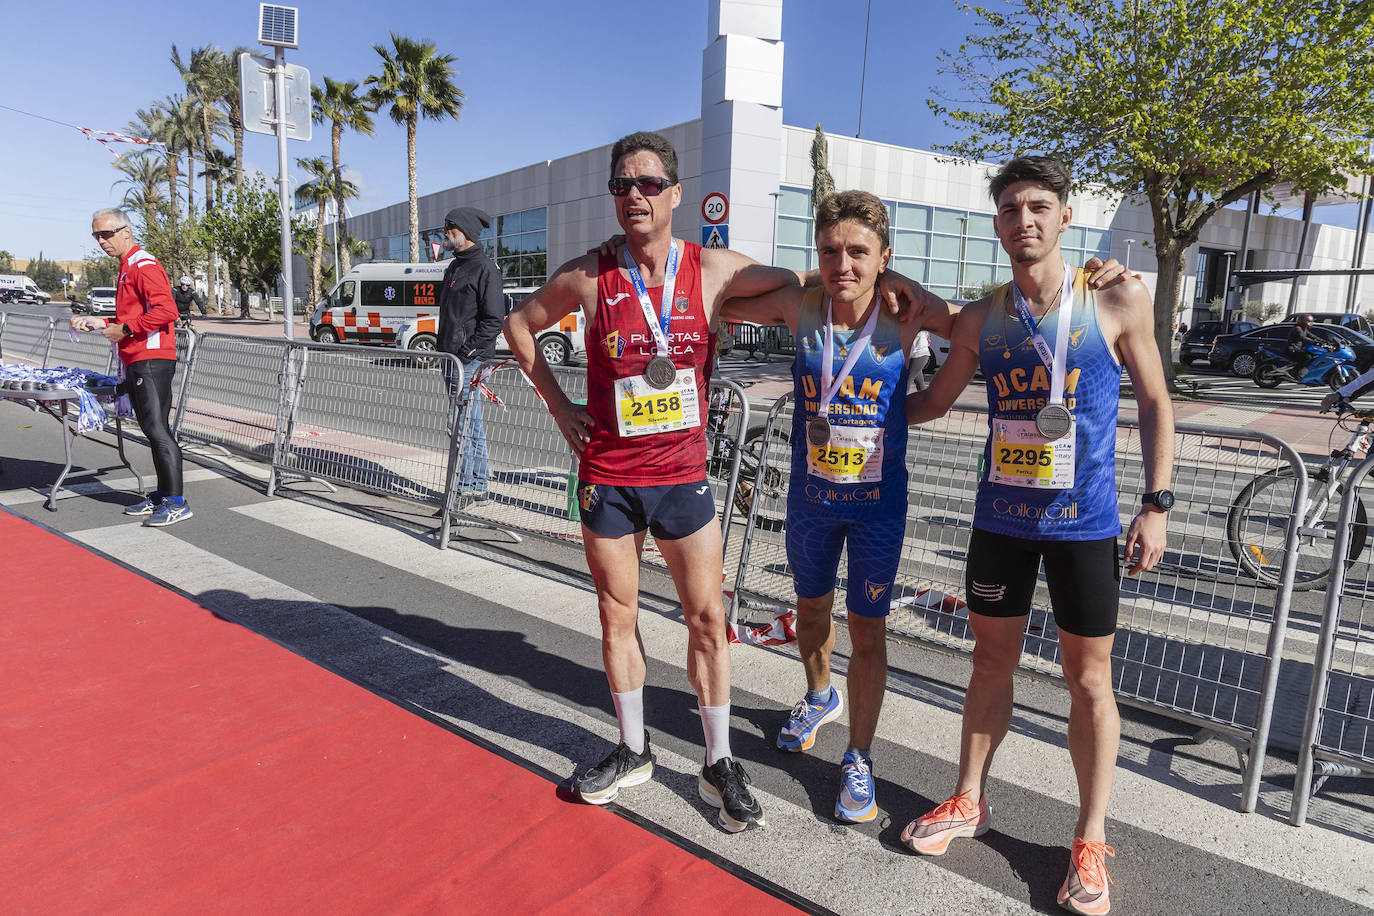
1258 521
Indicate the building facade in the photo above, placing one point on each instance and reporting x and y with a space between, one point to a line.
549 212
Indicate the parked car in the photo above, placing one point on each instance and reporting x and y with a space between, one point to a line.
1350 320
1237 352
1197 343
101 300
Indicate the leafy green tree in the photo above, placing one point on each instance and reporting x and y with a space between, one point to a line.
247 229
6 262
100 271
1189 104
143 180
341 104
46 274
416 81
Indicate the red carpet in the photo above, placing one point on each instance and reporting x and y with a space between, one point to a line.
157 759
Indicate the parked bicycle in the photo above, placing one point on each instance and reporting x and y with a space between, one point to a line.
1256 526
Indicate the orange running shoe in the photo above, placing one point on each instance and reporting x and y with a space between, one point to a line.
931 833
1085 887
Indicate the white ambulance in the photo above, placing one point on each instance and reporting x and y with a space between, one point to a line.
372 301
560 343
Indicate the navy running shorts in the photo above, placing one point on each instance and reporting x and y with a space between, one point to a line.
669 512
1084 579
814 541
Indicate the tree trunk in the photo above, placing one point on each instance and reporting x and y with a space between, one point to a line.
238 145
210 275
1169 284
191 180
317 260
243 302
414 197
345 261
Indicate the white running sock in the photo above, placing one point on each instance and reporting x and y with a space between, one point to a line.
715 722
629 711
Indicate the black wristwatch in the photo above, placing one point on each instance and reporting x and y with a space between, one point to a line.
1160 499
127 332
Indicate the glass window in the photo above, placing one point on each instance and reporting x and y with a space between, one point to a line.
794 231
509 224
533 242
794 202
945 246
912 216
913 268
1072 238
944 292
981 250
944 272
794 258
343 296
1097 239
537 218
980 226
975 275
911 244
398 248
948 221
379 293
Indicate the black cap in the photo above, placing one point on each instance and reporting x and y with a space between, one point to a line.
468 220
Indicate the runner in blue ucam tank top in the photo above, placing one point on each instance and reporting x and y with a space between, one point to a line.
848 483
1021 492
1051 355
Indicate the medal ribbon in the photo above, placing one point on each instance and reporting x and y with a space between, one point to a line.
829 385
1056 362
659 327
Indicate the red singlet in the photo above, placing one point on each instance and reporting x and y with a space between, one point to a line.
620 344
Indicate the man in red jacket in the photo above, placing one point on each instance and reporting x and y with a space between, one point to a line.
143 330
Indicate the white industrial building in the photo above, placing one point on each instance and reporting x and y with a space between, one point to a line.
551 211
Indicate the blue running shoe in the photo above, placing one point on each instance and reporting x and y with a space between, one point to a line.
799 732
145 507
168 513
857 803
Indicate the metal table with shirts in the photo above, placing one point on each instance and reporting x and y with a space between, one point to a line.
57 403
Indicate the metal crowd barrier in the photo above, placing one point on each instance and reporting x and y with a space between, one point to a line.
1338 737
532 467
1198 639
232 394
26 338
371 419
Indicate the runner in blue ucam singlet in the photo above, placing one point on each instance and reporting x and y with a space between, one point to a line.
1017 496
832 498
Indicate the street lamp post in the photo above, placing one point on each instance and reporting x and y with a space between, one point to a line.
775 195
1129 243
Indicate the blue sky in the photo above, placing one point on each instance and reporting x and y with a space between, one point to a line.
543 79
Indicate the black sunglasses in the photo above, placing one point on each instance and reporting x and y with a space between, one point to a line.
649 185
103 234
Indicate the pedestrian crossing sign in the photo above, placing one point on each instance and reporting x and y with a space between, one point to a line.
715 236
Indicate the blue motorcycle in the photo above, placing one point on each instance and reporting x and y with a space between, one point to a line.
1330 366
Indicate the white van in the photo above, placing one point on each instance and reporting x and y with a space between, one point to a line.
559 343
372 301
27 290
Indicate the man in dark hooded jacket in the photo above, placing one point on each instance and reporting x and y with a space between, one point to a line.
471 309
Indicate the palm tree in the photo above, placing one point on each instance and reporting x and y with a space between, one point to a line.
183 120
319 191
416 82
203 76
153 124
219 165
339 103
143 178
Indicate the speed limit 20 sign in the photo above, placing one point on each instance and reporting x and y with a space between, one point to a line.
715 208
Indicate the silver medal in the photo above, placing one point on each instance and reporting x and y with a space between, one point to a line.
660 373
1053 421
818 431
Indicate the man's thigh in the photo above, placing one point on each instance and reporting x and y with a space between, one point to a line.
1084 579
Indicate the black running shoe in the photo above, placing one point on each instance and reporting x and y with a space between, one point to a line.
725 785
622 768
